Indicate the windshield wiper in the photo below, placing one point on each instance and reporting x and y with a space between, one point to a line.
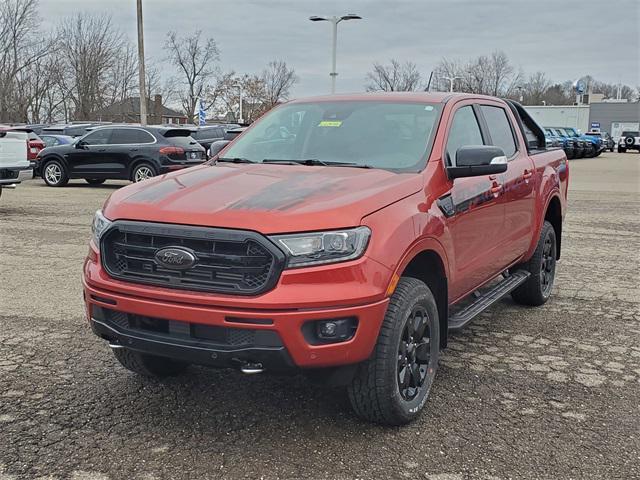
314 162
235 160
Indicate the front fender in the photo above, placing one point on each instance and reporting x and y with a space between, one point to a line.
394 244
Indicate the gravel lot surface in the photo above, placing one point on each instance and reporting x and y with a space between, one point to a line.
550 392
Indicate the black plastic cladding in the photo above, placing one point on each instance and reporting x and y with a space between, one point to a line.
187 232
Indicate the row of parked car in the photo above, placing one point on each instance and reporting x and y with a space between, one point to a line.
591 144
98 152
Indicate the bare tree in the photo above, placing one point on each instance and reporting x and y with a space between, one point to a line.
535 88
196 61
20 46
394 77
485 75
277 80
92 47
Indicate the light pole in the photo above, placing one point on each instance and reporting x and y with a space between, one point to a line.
334 23
239 87
451 80
142 80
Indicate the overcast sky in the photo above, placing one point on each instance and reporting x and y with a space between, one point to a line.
564 38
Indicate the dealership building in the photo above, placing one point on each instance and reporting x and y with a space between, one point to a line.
609 116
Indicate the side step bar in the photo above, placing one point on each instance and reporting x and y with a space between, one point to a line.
459 319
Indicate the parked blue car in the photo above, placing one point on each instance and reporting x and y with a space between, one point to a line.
594 144
566 143
53 140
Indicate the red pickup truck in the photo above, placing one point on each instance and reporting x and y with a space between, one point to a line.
341 236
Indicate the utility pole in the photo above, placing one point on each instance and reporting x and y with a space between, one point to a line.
142 80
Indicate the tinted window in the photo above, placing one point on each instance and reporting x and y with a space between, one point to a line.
181 139
499 129
126 136
386 135
464 131
98 137
50 141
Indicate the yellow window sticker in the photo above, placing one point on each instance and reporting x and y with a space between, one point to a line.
330 123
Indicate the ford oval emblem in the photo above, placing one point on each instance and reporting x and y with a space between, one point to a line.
175 258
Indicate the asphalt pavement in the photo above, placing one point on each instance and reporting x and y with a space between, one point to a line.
546 393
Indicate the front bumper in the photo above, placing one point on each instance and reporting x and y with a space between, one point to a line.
200 310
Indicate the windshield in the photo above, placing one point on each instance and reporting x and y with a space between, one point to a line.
571 132
393 136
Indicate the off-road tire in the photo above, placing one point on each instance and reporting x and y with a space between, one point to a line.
534 291
148 365
54 173
374 391
95 181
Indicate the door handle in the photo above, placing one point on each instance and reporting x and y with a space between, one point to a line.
102 150
133 149
527 174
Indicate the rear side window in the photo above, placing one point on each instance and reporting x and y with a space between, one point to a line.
127 136
499 129
464 131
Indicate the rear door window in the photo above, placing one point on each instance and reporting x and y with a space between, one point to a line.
464 131
499 129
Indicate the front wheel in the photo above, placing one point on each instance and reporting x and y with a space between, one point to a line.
55 174
143 171
393 385
542 267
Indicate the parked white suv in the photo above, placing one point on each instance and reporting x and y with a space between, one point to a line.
14 163
629 141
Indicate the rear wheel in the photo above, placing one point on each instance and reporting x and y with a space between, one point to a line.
143 171
94 181
393 385
148 365
55 174
542 267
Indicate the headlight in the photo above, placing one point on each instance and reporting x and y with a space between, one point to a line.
99 226
304 249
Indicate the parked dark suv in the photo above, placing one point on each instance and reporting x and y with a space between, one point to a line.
120 152
208 134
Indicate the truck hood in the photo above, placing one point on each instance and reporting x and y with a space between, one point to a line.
265 198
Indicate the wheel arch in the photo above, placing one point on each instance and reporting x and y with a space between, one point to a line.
137 161
553 215
428 266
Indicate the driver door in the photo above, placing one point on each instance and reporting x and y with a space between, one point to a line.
477 221
89 153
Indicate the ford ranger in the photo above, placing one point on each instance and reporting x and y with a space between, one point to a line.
340 236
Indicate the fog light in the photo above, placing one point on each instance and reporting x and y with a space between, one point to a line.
327 329
335 330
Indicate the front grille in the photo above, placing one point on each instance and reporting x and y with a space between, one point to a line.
226 261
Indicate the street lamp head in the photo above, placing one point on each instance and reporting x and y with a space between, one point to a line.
351 16
315 18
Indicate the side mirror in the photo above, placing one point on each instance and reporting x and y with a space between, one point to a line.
81 144
216 147
478 160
